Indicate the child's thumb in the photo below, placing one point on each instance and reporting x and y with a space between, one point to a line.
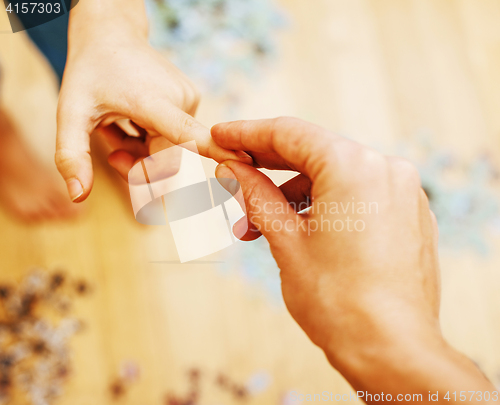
73 160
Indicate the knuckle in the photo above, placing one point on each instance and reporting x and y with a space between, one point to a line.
347 152
372 159
283 122
283 119
69 161
252 195
187 125
405 171
63 158
359 159
193 95
361 167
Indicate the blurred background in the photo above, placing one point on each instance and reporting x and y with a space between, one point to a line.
96 309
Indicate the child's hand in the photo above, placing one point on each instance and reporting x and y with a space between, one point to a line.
360 270
116 75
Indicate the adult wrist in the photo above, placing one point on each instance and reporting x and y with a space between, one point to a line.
412 365
373 341
372 367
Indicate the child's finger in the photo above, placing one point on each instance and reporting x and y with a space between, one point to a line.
179 127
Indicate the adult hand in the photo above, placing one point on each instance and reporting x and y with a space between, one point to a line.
360 269
112 73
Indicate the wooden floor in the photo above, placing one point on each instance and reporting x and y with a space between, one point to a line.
377 71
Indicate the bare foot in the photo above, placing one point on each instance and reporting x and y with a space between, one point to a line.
28 189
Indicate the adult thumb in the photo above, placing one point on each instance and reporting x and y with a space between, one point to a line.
73 158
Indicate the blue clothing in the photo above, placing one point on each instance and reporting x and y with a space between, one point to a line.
52 40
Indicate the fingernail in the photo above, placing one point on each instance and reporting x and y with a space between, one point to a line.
227 179
75 189
244 156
